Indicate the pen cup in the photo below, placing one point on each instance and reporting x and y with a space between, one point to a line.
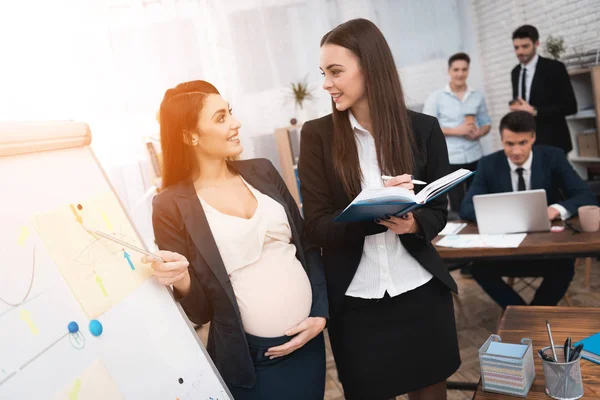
562 379
506 374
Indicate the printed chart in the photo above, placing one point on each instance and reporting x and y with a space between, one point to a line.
99 272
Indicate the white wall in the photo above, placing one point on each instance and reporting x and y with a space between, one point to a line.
577 21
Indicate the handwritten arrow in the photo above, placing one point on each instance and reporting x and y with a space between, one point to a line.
102 288
77 216
74 393
23 236
128 257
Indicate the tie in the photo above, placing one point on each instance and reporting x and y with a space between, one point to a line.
521 184
523 85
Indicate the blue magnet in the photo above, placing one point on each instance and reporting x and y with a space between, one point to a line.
73 327
95 327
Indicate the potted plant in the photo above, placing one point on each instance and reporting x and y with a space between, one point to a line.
555 46
301 93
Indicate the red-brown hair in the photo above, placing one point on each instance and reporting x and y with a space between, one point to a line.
394 141
179 111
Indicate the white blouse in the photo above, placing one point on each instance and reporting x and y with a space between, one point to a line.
272 289
385 265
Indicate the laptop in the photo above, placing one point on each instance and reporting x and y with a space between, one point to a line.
512 212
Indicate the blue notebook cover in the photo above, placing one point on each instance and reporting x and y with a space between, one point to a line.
591 348
373 210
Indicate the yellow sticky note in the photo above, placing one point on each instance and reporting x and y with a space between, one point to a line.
26 317
23 236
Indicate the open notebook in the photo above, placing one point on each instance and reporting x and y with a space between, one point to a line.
374 203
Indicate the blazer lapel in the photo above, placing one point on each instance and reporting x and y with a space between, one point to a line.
252 176
537 171
535 90
515 81
197 226
504 172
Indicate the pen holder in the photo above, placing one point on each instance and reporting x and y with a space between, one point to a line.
562 379
506 374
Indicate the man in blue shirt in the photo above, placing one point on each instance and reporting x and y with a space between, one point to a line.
522 166
464 119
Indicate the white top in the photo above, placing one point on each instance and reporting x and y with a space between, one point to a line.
385 264
272 289
528 78
514 177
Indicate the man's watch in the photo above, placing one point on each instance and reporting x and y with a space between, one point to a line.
534 111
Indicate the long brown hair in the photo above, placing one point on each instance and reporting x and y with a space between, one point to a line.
391 128
179 111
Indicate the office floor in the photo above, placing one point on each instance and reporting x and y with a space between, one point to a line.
476 320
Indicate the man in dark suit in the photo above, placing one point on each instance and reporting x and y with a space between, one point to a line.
520 166
542 87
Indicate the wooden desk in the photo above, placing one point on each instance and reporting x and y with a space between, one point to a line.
535 245
520 321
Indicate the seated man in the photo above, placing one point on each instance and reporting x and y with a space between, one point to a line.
519 167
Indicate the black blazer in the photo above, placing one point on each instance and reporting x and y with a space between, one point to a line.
553 97
180 225
550 170
323 198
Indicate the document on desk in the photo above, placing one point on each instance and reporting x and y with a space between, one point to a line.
512 240
452 228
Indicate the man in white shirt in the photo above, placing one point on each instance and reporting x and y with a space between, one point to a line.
464 119
520 166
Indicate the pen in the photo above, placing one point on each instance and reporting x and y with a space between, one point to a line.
576 351
414 181
544 356
551 340
567 349
122 243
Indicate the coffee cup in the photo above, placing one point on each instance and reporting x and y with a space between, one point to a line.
589 218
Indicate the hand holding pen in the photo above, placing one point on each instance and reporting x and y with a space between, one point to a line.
400 180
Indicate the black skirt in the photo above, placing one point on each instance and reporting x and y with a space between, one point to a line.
391 346
298 376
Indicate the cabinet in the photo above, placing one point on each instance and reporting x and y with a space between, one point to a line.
288 147
584 126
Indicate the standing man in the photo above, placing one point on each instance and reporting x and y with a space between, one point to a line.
542 87
464 119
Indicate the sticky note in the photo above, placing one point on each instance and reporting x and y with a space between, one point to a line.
26 317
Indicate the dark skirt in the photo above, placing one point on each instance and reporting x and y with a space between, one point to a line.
391 346
297 376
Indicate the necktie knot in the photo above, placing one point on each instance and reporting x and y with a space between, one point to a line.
520 171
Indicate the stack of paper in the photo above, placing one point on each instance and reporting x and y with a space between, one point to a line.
452 228
506 368
511 240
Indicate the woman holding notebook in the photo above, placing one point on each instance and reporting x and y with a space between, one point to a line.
235 252
392 325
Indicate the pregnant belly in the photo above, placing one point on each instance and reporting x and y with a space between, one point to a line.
273 294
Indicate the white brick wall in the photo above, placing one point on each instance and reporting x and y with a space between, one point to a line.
577 21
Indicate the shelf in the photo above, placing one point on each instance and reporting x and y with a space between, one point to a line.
584 159
585 114
578 71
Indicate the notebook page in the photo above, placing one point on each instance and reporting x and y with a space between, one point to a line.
440 184
385 194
